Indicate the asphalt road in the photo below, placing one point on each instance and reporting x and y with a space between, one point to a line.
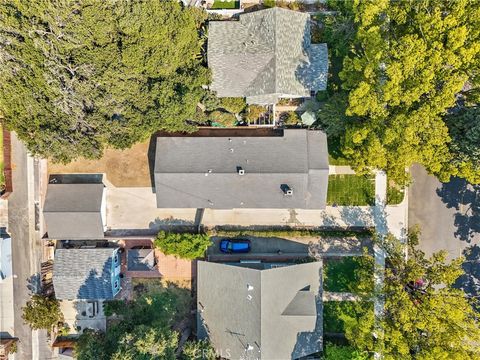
449 219
26 255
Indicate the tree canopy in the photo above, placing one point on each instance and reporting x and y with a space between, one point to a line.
184 245
42 312
425 316
146 329
408 65
78 76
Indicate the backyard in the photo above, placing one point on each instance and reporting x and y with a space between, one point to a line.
351 190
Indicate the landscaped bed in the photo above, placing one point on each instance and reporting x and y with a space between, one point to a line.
395 194
351 190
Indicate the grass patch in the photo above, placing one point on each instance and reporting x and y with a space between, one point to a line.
2 175
231 4
350 190
339 274
395 194
335 156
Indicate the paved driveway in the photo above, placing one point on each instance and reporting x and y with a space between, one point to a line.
449 217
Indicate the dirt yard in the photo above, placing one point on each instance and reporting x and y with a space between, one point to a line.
124 168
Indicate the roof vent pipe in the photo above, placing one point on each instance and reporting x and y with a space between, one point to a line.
240 170
287 190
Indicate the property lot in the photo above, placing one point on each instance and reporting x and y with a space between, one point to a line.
282 248
123 168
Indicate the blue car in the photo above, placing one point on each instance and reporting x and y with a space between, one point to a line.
235 246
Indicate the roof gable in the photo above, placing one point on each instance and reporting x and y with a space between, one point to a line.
266 52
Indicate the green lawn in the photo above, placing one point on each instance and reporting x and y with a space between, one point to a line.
228 4
334 311
350 190
394 195
339 274
335 156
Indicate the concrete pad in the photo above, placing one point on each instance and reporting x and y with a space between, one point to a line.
79 313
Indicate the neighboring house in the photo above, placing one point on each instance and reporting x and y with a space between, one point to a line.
282 172
249 313
266 55
75 210
86 274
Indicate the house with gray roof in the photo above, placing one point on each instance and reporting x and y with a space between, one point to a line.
75 210
220 172
266 55
86 273
251 313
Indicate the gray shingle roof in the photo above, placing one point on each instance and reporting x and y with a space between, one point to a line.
73 211
201 172
83 273
277 311
265 55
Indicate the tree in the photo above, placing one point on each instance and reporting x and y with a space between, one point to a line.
424 316
233 105
78 76
464 128
184 245
42 312
91 346
409 63
198 350
337 352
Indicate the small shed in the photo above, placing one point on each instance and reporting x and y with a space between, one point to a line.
308 118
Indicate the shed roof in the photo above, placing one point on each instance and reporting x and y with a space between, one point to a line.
260 314
73 211
202 172
83 273
264 55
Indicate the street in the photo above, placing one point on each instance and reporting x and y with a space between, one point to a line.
26 252
449 219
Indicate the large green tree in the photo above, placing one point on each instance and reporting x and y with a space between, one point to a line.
409 63
184 245
424 315
42 312
78 76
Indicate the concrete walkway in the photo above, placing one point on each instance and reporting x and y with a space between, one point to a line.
340 170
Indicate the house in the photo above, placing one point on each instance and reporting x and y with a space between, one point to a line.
262 312
266 55
272 172
75 209
86 273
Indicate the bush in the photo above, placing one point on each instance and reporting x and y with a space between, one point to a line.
113 307
185 245
42 312
233 104
290 118
269 3
254 112
223 118
210 101
337 352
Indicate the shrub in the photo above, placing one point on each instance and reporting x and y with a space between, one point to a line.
113 307
290 118
233 104
185 245
42 312
210 100
254 112
223 118
269 3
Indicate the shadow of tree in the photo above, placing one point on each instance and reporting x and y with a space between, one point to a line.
465 198
470 281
